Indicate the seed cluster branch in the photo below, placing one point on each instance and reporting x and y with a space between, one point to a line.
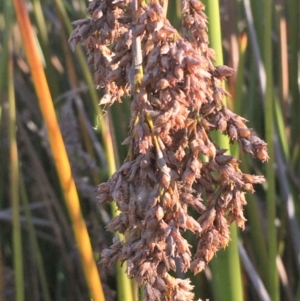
175 178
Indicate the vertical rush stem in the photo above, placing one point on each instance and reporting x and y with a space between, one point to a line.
34 242
293 7
46 48
14 180
272 284
227 282
59 154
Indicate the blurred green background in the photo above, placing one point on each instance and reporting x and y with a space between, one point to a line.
260 40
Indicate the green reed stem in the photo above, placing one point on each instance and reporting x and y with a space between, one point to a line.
238 89
258 19
8 19
34 242
281 130
293 7
174 13
42 35
257 238
14 166
14 180
273 284
227 283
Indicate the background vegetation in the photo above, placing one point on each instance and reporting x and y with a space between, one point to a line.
43 247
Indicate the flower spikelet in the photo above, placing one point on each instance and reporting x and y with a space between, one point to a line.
177 101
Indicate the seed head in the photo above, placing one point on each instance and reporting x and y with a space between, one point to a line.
177 101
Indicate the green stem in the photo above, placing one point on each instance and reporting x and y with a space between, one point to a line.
34 243
45 47
225 267
14 180
239 79
272 285
252 211
293 7
227 282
